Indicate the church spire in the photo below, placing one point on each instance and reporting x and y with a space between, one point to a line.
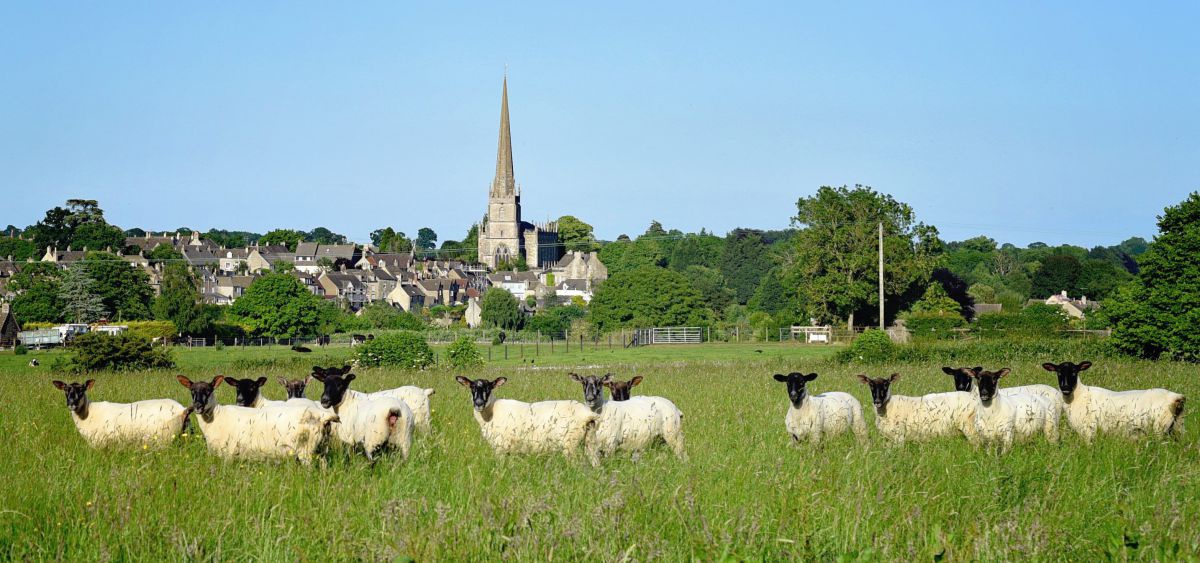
505 182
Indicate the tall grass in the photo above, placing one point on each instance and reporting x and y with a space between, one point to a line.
744 494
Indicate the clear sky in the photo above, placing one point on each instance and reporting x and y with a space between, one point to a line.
1024 121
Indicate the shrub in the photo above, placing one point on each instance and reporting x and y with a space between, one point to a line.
872 346
936 326
1040 319
463 353
152 329
20 350
96 351
402 349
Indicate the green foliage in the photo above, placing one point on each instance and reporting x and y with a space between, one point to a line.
936 325
287 237
179 302
79 225
381 316
164 252
36 285
426 241
647 297
279 305
77 293
95 351
463 353
834 258
499 309
19 249
322 235
125 291
701 249
872 346
575 234
407 350
20 350
1157 315
744 261
711 285
231 239
151 329
1036 319
1057 273
936 302
390 240
627 255
555 319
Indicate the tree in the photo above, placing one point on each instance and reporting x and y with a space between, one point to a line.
81 224
1057 273
80 304
576 235
279 305
647 297
17 248
321 235
711 285
97 236
36 285
1156 315
696 250
389 240
772 296
1099 279
627 255
426 240
179 302
287 237
125 291
500 309
833 260
325 264
744 262
164 252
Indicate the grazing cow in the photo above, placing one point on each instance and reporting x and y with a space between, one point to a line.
323 340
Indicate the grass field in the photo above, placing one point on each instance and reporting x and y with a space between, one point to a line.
745 493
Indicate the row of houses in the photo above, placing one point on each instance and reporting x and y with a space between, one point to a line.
355 275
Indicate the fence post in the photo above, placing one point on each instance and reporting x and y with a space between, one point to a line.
506 350
537 346
581 343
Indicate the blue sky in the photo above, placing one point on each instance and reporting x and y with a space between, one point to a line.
1024 121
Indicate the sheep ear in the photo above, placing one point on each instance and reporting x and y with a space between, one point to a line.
283 382
810 377
349 378
863 379
894 377
231 381
308 378
216 382
977 369
576 377
781 378
59 384
318 370
1003 372
499 381
318 376
1049 367
635 381
607 377
262 381
463 381
88 386
184 381
1084 365
949 370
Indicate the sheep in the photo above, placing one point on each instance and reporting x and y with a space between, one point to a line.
1091 410
964 381
277 431
374 423
1003 419
621 389
249 392
416 398
814 417
295 387
151 423
901 418
630 425
516 427
34 363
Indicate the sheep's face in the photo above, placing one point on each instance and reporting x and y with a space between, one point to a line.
593 388
989 383
796 386
295 387
481 389
1068 375
881 388
76 394
335 388
620 389
247 389
204 399
963 377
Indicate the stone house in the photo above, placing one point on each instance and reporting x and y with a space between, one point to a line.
309 254
406 297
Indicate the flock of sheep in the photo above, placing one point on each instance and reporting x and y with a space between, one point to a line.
297 428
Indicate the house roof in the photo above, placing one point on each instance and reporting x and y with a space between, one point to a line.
235 281
573 285
306 249
513 277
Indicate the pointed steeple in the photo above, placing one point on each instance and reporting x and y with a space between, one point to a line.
505 182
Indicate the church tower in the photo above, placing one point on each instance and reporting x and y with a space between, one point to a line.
500 237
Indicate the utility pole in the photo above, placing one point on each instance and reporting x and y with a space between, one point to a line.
881 322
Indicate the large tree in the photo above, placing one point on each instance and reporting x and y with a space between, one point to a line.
647 297
1057 273
744 261
36 285
323 235
80 303
80 224
179 302
1156 315
125 290
287 237
500 309
832 262
694 249
279 305
576 235
19 249
426 241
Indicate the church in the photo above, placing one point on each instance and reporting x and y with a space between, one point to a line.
503 237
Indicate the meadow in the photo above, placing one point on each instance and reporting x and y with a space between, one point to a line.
745 492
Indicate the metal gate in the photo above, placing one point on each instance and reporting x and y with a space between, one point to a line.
668 335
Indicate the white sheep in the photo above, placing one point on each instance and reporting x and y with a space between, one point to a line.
516 427
276 431
964 380
901 418
1092 410
632 425
1003 419
150 423
817 416
372 423
417 400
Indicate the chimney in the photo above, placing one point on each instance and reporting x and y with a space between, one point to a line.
1064 294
